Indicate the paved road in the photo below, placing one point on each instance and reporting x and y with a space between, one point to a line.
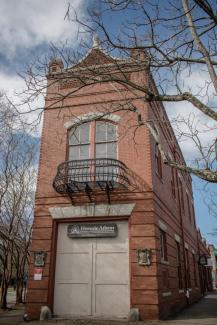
202 313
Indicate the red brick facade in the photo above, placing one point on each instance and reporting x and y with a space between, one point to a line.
164 203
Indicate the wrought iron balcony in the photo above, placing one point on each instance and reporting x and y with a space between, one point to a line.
91 174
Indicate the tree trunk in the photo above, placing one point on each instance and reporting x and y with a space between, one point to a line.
19 290
4 291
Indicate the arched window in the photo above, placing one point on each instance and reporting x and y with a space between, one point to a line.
95 139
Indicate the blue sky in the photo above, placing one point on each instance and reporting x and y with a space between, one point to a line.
206 221
26 30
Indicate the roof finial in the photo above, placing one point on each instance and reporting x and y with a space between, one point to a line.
96 41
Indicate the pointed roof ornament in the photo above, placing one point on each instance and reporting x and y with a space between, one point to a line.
96 41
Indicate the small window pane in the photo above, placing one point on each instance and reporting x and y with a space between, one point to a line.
74 153
101 150
84 152
111 150
74 136
84 131
79 134
111 132
100 132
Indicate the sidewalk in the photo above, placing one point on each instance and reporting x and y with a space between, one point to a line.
203 312
13 316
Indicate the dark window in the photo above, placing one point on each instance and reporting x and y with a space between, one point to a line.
195 270
163 245
188 274
182 204
179 266
193 214
189 209
173 182
158 161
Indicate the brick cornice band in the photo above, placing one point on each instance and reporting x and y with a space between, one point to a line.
92 210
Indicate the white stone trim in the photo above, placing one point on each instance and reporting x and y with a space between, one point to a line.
162 225
177 238
167 294
193 251
92 210
164 262
186 246
181 291
91 117
170 156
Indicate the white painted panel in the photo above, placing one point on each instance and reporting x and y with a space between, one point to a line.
73 268
92 275
119 243
66 244
111 268
111 294
73 276
72 299
111 300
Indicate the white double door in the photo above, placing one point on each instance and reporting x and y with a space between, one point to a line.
92 275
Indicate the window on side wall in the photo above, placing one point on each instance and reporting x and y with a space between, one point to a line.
179 266
195 269
173 183
163 246
189 208
158 161
181 195
188 270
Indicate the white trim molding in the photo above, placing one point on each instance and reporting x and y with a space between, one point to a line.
164 262
92 116
167 294
177 238
186 246
92 210
162 225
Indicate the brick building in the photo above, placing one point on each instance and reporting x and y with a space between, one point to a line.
115 226
213 254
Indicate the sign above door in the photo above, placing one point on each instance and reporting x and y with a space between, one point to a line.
77 230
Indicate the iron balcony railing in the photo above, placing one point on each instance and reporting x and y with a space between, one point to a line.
89 174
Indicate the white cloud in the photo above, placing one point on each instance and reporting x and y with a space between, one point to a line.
12 85
198 83
28 23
